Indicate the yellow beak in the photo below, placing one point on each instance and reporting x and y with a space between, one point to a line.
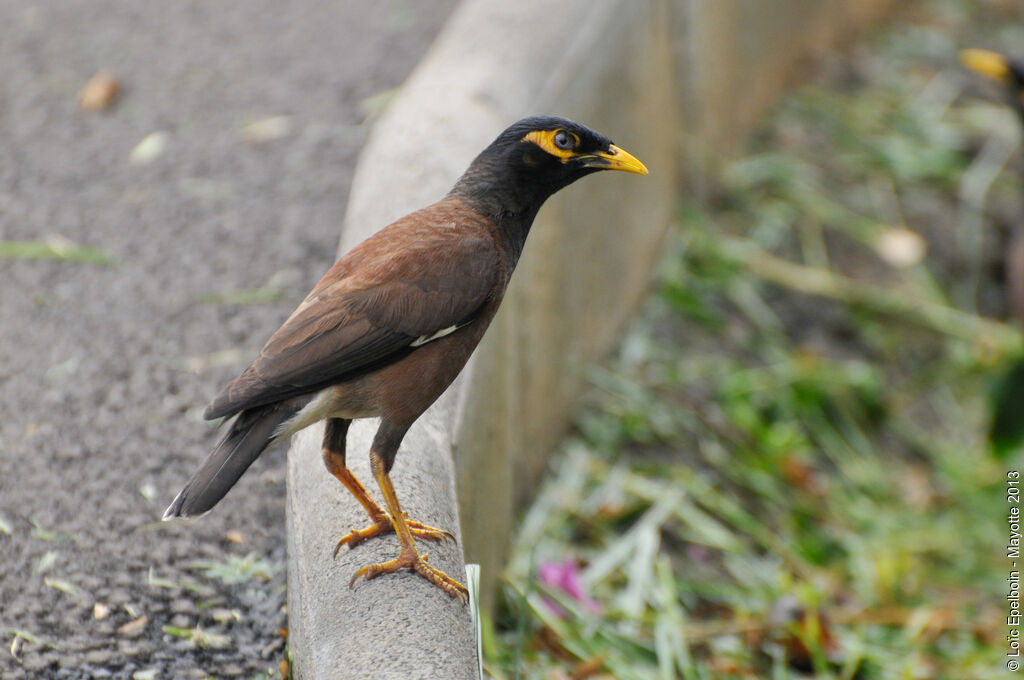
987 63
615 159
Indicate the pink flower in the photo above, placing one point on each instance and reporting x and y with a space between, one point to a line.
565 576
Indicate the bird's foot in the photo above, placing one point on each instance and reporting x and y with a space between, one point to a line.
415 562
383 525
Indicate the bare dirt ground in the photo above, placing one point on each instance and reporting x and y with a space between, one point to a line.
106 367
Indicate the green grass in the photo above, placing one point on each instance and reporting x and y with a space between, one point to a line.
53 249
234 570
256 296
785 471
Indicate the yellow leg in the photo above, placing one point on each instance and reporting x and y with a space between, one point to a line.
381 521
408 557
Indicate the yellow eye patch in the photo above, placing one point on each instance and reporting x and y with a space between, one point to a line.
545 139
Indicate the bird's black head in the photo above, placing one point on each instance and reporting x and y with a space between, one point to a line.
533 159
1007 71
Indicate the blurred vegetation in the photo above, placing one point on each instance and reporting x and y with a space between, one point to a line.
785 472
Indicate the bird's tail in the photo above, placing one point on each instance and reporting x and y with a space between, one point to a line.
251 432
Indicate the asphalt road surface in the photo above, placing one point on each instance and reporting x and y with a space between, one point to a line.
165 268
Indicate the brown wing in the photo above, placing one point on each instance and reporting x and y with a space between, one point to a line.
409 281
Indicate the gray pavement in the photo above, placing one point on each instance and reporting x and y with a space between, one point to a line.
105 368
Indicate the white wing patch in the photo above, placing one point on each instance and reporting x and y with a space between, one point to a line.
424 339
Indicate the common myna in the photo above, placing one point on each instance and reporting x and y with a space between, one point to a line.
1006 429
1010 74
392 323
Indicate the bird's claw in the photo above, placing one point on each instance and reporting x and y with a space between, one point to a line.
431 533
417 563
383 525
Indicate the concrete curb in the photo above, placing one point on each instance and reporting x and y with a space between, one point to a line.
613 65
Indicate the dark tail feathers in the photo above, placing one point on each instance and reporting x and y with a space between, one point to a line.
249 435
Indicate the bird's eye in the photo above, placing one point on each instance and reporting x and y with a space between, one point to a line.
563 140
